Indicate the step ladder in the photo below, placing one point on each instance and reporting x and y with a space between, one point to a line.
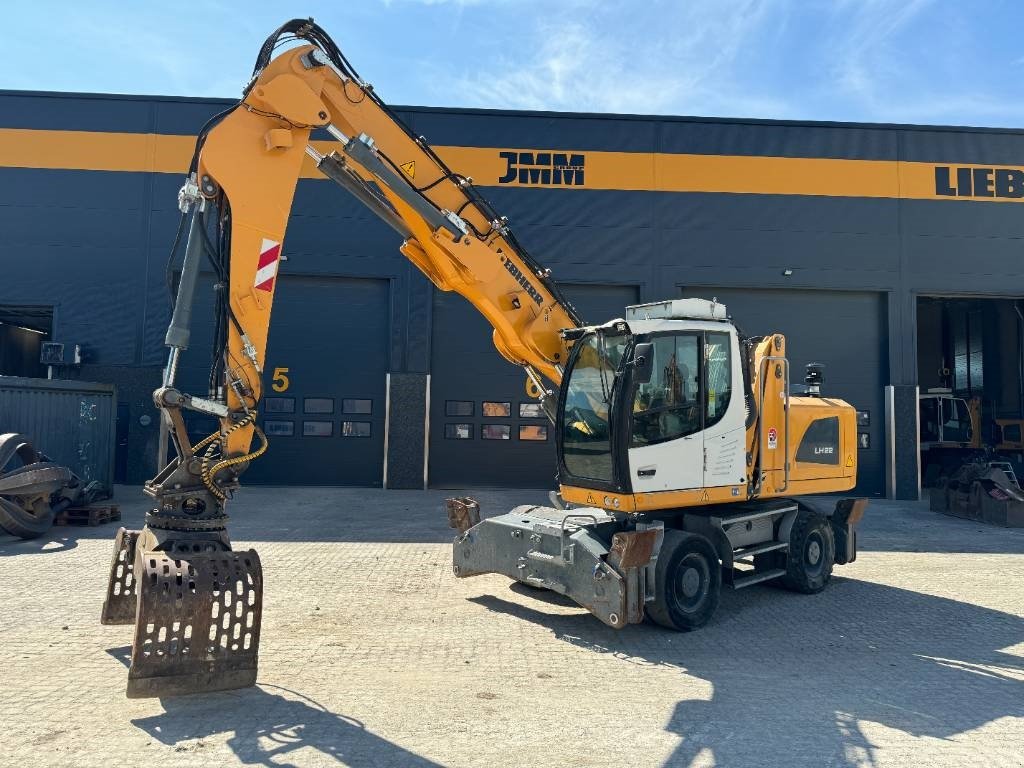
1007 469
738 578
742 577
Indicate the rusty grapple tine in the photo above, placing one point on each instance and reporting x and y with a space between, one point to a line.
198 623
119 606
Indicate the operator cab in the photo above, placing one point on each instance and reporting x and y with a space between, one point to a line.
654 403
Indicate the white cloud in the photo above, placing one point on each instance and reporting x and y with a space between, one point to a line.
583 57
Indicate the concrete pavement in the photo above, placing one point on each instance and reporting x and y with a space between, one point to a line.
374 654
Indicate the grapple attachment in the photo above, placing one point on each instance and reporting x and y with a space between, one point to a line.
198 624
197 609
119 607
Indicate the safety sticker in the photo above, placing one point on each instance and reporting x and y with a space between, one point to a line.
773 438
409 168
266 267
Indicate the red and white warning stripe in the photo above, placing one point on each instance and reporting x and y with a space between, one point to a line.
266 267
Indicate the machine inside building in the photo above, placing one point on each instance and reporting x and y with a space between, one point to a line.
971 378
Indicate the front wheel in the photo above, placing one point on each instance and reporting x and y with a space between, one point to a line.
812 553
688 580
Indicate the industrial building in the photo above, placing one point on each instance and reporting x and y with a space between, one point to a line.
890 254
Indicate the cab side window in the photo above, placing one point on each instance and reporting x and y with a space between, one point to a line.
718 368
670 404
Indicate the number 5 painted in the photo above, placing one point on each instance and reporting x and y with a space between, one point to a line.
280 379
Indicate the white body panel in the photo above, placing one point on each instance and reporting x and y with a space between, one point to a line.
677 309
677 464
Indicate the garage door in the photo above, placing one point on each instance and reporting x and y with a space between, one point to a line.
323 412
847 331
484 431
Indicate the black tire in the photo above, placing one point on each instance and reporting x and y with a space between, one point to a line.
21 522
688 582
811 555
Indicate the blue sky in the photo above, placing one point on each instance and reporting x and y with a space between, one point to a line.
918 61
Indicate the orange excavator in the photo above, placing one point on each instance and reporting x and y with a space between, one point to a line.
680 446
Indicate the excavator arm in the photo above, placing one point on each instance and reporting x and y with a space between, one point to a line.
248 164
195 602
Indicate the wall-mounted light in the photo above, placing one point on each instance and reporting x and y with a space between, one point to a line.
787 273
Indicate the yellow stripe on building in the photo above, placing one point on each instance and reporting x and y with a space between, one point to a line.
630 171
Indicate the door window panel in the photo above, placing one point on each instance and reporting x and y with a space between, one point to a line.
496 431
669 405
318 405
531 411
929 418
353 405
458 408
279 428
587 416
279 405
355 429
956 425
718 365
317 428
537 432
458 431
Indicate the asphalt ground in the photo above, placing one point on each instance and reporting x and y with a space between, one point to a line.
374 654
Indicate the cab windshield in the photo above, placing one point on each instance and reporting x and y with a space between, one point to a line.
589 395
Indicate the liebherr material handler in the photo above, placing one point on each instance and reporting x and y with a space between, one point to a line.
679 444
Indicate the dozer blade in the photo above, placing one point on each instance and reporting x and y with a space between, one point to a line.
119 607
198 628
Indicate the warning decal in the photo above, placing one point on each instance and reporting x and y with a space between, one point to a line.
409 168
773 438
266 267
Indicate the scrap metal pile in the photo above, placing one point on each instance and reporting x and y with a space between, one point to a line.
984 491
33 489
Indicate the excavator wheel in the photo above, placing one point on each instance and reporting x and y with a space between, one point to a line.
688 582
811 554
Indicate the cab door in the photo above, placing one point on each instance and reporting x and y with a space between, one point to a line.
666 441
725 432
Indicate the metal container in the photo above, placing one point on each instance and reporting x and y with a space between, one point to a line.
72 422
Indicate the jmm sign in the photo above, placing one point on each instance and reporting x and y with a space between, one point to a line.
550 168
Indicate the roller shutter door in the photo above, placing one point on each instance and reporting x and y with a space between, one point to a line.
325 419
847 331
478 434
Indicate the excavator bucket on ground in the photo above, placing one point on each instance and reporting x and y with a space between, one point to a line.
197 616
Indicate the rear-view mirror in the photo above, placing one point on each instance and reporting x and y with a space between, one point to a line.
643 362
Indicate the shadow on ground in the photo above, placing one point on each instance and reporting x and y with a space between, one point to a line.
927 666
266 724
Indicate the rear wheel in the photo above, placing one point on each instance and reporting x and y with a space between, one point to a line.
812 553
688 580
